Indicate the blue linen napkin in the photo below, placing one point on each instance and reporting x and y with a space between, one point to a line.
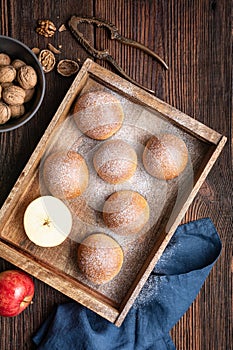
167 294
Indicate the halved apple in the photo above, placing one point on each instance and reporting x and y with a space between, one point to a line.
47 221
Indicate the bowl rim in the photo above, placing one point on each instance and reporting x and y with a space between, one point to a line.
13 127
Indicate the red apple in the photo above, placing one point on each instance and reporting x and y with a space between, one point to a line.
16 292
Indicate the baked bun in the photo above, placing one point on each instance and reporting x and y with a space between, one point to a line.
98 114
100 258
65 174
165 157
115 161
126 212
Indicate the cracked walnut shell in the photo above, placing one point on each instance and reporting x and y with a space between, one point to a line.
7 74
67 67
46 28
47 60
13 95
27 77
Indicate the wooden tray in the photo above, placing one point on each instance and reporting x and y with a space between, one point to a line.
144 115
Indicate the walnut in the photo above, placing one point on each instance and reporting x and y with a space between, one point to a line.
17 111
13 95
67 67
4 59
5 113
27 77
46 28
7 74
5 85
18 64
0 92
47 60
29 94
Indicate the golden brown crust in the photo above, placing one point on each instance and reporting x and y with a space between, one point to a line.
100 258
115 161
165 157
65 174
98 114
126 212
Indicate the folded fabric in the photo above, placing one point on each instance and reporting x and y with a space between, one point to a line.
167 294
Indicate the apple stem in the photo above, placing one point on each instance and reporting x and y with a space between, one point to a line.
27 301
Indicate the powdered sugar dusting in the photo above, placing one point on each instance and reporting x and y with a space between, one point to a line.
149 292
126 212
98 114
65 174
157 280
100 258
165 157
139 125
115 161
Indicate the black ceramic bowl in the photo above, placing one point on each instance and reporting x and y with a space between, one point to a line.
16 49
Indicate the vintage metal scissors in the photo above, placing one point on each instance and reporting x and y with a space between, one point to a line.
104 54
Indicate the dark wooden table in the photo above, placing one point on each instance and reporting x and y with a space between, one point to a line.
194 38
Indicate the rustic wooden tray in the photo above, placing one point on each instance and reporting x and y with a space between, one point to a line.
144 115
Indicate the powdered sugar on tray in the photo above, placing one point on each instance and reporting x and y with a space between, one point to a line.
138 126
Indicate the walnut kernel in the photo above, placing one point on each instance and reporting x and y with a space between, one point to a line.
47 60
46 28
17 111
27 77
5 113
7 74
13 95
4 59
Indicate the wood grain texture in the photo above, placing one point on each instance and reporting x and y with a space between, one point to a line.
58 266
194 38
